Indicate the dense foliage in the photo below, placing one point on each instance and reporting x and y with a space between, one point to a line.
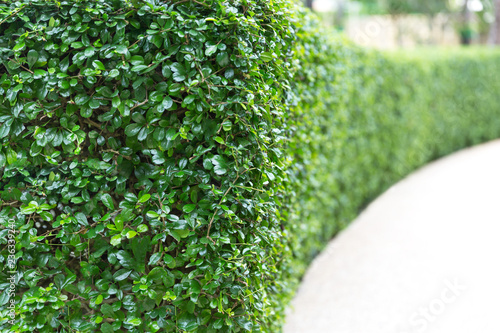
141 162
368 119
173 167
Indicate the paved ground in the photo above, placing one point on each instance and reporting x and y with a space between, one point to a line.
424 257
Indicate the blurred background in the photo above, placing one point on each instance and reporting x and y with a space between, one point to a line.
389 24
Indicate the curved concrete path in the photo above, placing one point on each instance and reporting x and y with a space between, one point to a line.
423 257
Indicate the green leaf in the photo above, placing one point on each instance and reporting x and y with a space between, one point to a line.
140 246
220 165
222 59
157 40
119 222
211 49
154 258
134 321
19 46
152 214
167 102
98 65
32 57
266 56
107 201
121 274
138 68
179 72
114 73
4 297
28 210
187 322
145 198
166 71
4 130
188 208
244 323
82 219
189 99
142 228
99 300
122 49
86 112
137 60
115 240
171 134
107 328
168 259
131 234
132 129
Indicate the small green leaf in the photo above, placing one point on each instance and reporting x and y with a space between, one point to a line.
154 259
222 59
157 40
189 99
168 259
107 201
19 46
187 322
211 49
138 68
167 102
98 65
132 129
145 198
188 208
82 219
115 240
122 274
266 56
134 321
131 234
4 130
142 228
152 214
171 134
220 165
32 57
99 300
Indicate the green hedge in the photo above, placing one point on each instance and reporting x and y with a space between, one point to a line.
171 167
370 118
142 163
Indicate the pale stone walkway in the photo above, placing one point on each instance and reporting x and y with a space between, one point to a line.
423 257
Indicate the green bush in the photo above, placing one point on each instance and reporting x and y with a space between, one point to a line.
141 163
174 166
368 119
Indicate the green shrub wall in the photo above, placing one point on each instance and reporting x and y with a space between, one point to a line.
370 118
174 166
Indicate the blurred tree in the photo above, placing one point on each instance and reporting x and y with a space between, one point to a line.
340 14
486 20
465 26
309 4
496 25
487 24
399 8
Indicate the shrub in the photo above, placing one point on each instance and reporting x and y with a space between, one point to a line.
175 166
141 163
369 118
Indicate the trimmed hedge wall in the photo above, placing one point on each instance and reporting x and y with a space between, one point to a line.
174 166
370 118
142 162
